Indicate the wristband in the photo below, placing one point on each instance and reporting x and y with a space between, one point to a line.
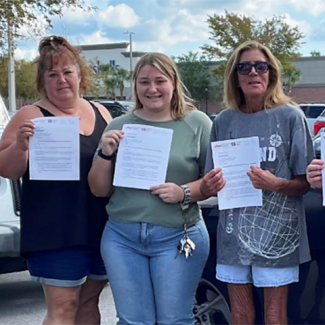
105 157
187 197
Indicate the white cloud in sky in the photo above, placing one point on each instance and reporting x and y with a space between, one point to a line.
313 7
26 54
98 37
303 25
119 16
77 16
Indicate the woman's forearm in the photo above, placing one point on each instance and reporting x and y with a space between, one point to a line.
13 162
100 177
293 187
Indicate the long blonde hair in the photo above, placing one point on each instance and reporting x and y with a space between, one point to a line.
233 94
180 103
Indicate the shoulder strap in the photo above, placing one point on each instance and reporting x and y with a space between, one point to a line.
44 111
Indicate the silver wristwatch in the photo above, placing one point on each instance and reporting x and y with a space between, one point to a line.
187 197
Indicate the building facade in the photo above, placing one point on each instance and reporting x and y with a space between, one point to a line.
116 54
311 86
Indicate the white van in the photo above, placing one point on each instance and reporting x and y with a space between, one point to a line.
10 260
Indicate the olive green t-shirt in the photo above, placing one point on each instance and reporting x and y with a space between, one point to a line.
186 164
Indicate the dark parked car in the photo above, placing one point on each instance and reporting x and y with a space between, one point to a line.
114 107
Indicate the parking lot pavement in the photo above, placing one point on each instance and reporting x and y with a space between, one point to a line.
22 301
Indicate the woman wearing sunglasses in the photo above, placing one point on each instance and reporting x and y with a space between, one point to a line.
262 246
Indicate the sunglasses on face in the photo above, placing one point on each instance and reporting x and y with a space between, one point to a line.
260 67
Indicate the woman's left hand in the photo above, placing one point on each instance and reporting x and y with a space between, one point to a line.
168 192
263 179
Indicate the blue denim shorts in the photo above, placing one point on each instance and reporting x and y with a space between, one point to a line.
259 276
67 267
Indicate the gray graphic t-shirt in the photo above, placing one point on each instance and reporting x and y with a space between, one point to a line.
273 235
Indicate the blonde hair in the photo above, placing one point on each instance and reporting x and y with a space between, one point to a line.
52 49
180 103
233 94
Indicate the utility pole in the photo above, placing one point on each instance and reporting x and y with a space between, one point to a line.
11 71
206 100
131 68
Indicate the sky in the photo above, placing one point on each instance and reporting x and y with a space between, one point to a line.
175 27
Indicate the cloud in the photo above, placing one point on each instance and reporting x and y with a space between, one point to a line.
313 7
318 34
98 37
119 16
303 26
77 16
26 54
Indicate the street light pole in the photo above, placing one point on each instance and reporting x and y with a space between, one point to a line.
11 71
131 68
206 101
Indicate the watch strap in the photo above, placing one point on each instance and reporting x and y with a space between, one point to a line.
106 157
187 197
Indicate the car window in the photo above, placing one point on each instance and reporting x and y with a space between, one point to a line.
304 109
115 110
315 111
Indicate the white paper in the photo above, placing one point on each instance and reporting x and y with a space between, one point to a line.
235 157
54 149
322 154
142 157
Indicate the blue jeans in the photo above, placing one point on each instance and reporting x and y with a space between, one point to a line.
149 285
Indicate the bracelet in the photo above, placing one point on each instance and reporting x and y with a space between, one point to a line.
187 197
105 157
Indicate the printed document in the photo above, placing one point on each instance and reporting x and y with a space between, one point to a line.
54 149
235 157
142 156
322 153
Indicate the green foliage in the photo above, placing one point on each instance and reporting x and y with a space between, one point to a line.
25 79
315 53
120 75
230 30
28 13
110 78
195 74
290 77
4 77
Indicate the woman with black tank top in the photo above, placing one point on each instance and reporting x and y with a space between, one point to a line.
61 221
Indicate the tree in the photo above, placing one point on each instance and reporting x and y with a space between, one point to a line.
28 13
195 74
290 77
230 30
25 80
120 75
315 53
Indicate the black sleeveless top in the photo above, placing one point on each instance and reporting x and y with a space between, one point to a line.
58 214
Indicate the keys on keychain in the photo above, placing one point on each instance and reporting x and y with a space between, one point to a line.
186 246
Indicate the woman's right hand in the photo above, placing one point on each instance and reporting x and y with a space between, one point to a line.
24 132
110 141
314 173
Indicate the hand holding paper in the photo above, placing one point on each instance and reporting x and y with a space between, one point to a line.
142 157
54 149
235 157
263 179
